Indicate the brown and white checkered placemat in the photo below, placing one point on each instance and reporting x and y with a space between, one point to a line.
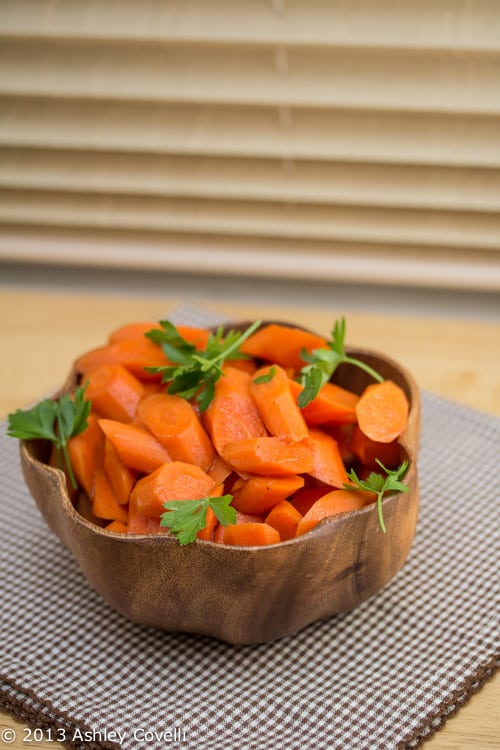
382 677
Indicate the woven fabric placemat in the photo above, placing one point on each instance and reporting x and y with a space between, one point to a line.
382 677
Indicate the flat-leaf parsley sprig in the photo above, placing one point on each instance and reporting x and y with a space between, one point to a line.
195 373
380 485
56 421
324 362
186 518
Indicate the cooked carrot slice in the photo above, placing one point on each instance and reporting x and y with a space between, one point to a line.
104 503
268 456
332 404
131 331
328 466
366 451
382 411
277 406
137 448
139 523
250 534
121 477
259 494
305 498
117 526
175 424
115 393
173 481
86 452
338 501
219 470
247 365
281 344
232 414
208 532
284 518
134 354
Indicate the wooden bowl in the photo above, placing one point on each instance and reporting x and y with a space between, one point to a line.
241 595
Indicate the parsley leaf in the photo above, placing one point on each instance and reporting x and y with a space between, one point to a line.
324 362
380 485
56 421
195 373
267 377
186 518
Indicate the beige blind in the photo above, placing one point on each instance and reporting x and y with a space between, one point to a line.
325 140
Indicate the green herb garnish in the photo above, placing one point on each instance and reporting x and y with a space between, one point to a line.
186 518
380 485
324 362
267 377
195 373
56 421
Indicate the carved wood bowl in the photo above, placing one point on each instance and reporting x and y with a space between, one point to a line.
242 595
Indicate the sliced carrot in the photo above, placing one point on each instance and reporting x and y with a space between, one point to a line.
134 354
104 503
342 433
208 532
152 387
250 534
338 501
232 414
285 518
328 466
86 452
259 494
121 477
173 481
174 423
268 456
196 336
382 411
137 448
131 331
139 523
332 404
115 393
281 344
277 406
305 498
366 451
117 526
219 470
247 365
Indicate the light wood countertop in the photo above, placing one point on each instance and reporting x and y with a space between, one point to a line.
42 332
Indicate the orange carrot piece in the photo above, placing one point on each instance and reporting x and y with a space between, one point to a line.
117 526
259 494
134 354
174 423
232 414
328 466
342 433
247 365
131 331
219 470
250 534
268 456
115 393
332 404
277 406
338 501
139 523
281 344
122 478
173 481
86 452
196 336
382 411
285 518
152 387
137 448
366 451
305 498
104 503
208 532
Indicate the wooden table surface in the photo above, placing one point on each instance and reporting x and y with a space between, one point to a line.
42 332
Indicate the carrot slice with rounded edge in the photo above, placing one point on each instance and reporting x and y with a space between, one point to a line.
250 534
268 456
139 523
137 448
121 477
332 404
219 471
305 498
281 344
382 411
277 406
115 393
208 532
328 466
117 526
174 423
247 365
86 453
259 494
232 414
338 501
132 331
173 481
104 503
366 451
284 518
134 354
